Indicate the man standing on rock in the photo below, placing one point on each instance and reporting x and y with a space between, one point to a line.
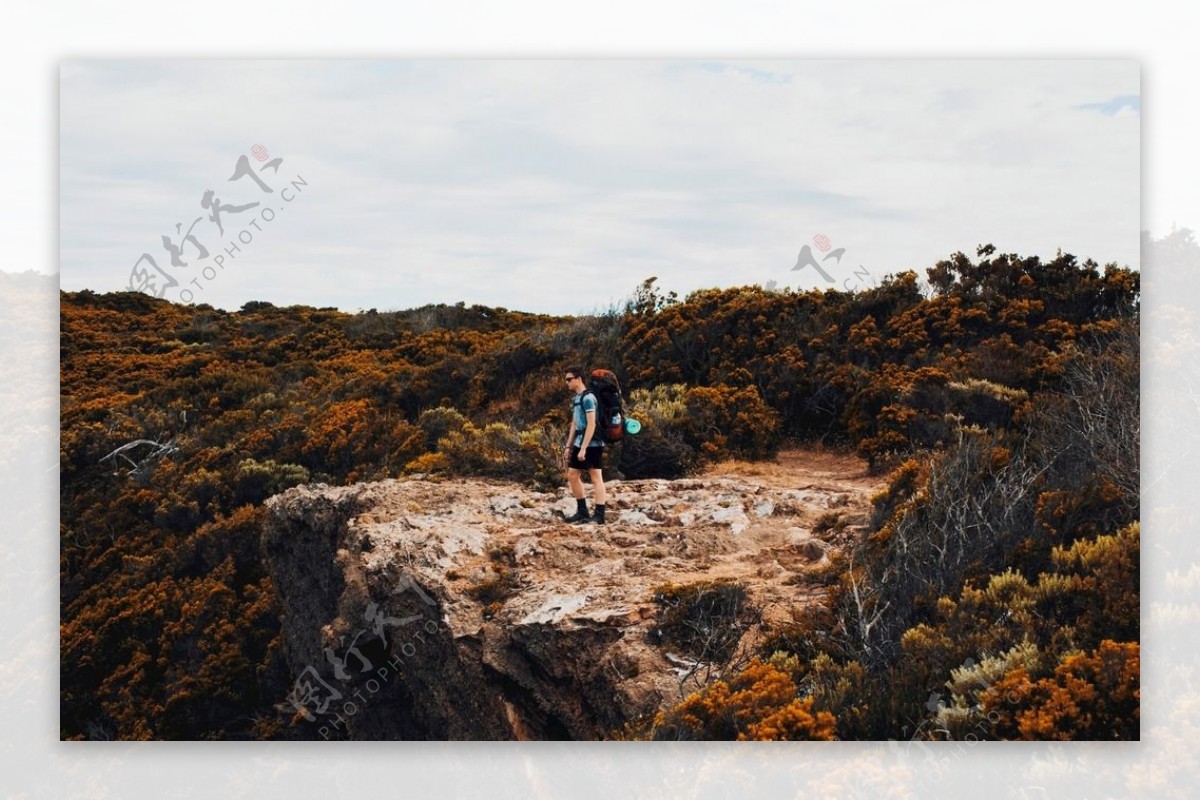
584 450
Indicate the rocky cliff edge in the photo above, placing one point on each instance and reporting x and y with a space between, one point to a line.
467 609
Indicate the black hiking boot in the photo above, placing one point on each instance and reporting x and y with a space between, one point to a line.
598 517
581 513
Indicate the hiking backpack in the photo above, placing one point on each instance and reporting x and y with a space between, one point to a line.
610 415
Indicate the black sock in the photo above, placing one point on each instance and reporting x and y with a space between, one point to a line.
581 506
599 510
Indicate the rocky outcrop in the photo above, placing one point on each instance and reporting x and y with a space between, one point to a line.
467 609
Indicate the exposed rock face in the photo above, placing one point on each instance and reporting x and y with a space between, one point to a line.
466 609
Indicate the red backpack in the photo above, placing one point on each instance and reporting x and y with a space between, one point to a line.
610 415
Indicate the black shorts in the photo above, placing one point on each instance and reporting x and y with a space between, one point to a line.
593 459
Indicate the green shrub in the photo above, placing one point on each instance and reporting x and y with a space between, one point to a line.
439 422
659 450
682 428
497 450
255 481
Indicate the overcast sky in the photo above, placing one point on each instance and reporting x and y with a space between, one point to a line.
558 186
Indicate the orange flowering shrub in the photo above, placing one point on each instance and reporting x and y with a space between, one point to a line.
759 703
1091 696
724 420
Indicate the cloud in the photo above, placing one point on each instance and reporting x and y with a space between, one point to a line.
528 184
1116 105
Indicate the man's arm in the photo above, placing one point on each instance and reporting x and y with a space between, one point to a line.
588 432
571 434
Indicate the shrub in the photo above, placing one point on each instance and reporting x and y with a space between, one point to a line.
705 619
497 450
686 427
844 690
970 685
986 403
1091 696
726 421
806 636
438 422
759 703
255 481
660 449
487 451
965 520
1103 599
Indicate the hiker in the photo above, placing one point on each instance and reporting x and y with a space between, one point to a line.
584 449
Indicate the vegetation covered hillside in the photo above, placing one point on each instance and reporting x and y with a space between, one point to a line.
1002 398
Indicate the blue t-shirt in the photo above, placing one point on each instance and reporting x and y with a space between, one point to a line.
582 404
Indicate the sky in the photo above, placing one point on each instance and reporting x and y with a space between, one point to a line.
559 186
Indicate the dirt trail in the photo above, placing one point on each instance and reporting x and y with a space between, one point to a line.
754 522
799 468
